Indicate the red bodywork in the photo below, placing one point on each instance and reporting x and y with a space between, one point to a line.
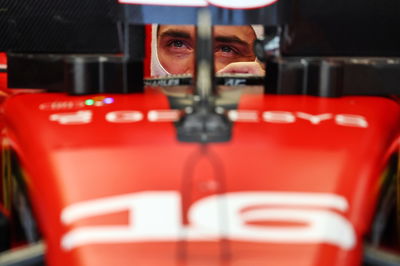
101 158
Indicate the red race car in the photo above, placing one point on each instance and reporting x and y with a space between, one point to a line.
103 167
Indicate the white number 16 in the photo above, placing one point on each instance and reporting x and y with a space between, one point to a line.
157 216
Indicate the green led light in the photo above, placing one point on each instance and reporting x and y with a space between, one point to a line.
89 102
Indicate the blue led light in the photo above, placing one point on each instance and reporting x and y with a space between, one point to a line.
108 100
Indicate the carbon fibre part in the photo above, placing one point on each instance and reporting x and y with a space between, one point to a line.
60 26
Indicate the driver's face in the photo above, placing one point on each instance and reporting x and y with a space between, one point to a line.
176 47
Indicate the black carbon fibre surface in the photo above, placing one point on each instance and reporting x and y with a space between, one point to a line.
344 28
313 27
59 26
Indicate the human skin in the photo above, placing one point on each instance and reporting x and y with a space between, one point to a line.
233 49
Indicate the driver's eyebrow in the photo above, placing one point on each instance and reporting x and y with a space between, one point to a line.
175 34
231 39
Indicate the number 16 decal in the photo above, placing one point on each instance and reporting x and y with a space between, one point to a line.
157 216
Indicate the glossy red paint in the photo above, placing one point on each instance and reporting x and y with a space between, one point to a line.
3 75
3 58
68 164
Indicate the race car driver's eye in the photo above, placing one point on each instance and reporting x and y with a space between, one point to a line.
227 51
178 46
174 40
176 43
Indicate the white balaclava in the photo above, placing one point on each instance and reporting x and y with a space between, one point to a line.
157 70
